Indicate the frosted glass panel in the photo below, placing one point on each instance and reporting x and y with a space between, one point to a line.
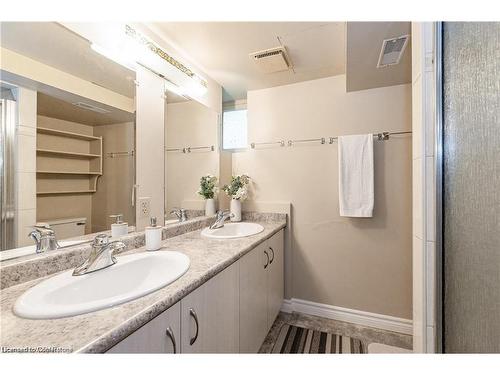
235 129
471 87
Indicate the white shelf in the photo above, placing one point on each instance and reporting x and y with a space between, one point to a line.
71 173
63 133
65 192
77 155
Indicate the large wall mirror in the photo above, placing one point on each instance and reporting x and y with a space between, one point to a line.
192 151
68 137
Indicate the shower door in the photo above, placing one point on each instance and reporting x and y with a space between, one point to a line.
7 182
471 187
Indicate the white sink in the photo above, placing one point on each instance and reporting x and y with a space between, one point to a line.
133 276
233 230
30 250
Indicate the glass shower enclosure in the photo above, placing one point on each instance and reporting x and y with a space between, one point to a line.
8 114
470 189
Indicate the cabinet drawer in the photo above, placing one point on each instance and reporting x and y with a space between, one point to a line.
160 335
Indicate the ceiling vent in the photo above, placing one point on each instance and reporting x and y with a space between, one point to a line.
91 107
392 50
272 60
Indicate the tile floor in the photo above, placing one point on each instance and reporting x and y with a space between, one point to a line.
364 333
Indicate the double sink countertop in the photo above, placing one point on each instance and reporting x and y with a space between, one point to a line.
98 331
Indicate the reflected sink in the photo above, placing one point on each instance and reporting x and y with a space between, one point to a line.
133 276
233 230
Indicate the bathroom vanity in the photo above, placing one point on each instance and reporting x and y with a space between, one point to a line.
230 313
225 303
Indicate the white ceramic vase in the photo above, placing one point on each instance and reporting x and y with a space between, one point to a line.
210 207
236 210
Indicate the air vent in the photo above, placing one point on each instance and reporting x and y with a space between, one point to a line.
392 51
272 60
91 107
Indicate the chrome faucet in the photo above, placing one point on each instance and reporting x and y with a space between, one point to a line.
180 213
220 218
44 237
101 256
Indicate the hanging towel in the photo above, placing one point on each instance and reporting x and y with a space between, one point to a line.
356 175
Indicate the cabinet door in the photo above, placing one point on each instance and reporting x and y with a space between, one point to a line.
193 321
222 312
160 335
276 280
253 299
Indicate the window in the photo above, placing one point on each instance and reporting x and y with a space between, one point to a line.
234 129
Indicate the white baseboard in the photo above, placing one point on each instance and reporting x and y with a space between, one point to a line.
387 322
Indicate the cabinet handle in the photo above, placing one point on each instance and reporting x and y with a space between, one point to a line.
171 336
195 317
267 255
270 248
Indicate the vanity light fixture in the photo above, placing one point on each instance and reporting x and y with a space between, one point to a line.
153 57
118 57
130 49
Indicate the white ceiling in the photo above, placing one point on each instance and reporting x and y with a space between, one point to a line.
364 41
317 50
52 44
63 109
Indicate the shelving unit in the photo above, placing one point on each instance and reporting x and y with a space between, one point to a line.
67 162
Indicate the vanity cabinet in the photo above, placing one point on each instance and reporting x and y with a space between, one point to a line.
222 312
261 291
276 277
253 299
160 335
230 313
210 315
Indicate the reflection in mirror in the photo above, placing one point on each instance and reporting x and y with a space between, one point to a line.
191 139
70 112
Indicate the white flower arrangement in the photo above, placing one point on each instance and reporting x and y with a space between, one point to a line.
208 187
238 188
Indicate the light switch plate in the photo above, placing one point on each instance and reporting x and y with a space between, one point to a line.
144 207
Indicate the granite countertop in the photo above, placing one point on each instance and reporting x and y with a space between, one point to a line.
98 331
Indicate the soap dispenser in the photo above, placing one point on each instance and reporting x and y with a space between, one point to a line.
153 235
119 228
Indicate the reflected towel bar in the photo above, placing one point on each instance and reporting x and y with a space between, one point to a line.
119 153
207 148
280 143
183 150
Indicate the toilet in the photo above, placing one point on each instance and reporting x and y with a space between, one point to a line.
68 227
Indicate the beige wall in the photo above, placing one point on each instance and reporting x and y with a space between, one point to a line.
114 187
189 124
362 264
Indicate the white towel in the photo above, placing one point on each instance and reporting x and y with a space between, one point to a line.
356 175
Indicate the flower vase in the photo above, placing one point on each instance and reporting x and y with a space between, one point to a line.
235 210
210 207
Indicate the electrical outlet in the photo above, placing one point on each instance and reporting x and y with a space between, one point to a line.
145 207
